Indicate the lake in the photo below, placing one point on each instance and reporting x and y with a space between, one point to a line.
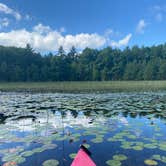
46 129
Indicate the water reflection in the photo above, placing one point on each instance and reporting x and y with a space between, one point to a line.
39 127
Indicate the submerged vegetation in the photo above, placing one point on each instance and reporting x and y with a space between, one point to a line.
24 65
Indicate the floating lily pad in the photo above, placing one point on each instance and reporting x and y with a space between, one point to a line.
27 153
120 157
156 157
72 155
159 158
150 146
13 158
87 145
150 162
51 163
98 139
126 146
130 136
158 135
113 163
137 148
162 146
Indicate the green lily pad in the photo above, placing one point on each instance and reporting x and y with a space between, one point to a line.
137 148
98 139
130 136
51 163
13 157
27 153
162 146
87 145
159 158
113 163
120 157
156 157
150 146
72 155
150 162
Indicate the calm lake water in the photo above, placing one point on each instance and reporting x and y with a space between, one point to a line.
127 129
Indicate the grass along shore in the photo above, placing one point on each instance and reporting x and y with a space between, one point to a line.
74 87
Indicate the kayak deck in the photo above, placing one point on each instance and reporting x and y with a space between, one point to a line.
82 158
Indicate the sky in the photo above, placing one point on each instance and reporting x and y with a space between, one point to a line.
48 24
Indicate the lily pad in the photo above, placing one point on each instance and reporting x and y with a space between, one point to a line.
137 148
87 145
27 153
159 158
120 157
113 163
150 146
156 157
98 139
72 155
150 162
51 163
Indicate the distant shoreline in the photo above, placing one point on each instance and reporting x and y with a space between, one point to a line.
83 87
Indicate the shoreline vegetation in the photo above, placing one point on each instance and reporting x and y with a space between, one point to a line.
83 87
107 64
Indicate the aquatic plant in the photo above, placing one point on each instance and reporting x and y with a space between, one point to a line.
98 139
120 157
150 162
150 146
159 158
162 146
72 155
51 162
113 163
137 147
86 145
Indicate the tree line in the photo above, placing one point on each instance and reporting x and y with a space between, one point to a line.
24 64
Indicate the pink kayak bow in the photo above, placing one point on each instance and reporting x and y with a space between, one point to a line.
82 158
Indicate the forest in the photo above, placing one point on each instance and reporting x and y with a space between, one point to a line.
135 63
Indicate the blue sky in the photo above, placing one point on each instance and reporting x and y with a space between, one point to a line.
47 24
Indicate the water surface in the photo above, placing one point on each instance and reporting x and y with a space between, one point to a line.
119 129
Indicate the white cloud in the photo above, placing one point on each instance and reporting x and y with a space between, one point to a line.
5 9
4 22
122 42
41 29
43 38
141 26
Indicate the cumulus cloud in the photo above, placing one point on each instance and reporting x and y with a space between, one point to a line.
41 29
141 26
43 38
122 42
5 9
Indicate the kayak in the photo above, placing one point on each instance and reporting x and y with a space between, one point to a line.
83 158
